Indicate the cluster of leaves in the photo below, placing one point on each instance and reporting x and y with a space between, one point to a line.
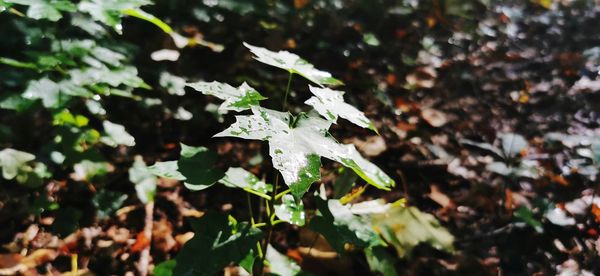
296 146
63 78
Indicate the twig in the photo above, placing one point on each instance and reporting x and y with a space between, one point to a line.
145 253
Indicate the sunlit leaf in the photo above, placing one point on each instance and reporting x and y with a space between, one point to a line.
280 264
44 89
116 135
217 242
330 104
340 226
41 9
11 160
86 170
144 180
240 178
175 85
291 210
296 150
167 169
196 167
126 75
236 99
293 64
406 227
109 11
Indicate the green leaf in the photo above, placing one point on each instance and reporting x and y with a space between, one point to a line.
40 9
87 170
109 12
196 167
280 264
293 64
291 210
18 64
16 102
44 89
527 216
217 242
144 180
344 183
296 151
406 227
371 39
240 178
116 135
33 176
107 202
330 104
12 160
381 261
41 204
197 164
165 268
340 226
107 56
126 75
236 99
167 169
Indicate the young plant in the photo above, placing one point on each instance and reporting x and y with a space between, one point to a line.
296 144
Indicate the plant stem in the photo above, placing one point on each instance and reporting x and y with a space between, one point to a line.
279 195
250 209
270 206
287 91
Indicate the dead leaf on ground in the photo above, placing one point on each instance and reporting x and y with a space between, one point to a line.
440 198
141 242
423 77
434 117
13 264
372 146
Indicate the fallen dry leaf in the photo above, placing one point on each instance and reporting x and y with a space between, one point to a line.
439 197
434 117
141 242
13 264
372 146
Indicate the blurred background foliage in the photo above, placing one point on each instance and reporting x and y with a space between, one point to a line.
88 85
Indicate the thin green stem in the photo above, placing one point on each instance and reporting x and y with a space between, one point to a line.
279 195
250 209
287 91
277 222
258 225
267 197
